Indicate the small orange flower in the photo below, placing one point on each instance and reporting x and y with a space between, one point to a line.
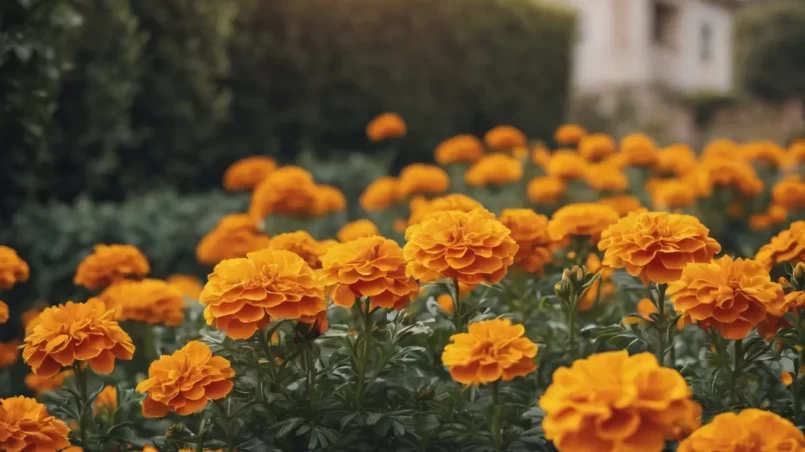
13 270
566 164
530 231
732 173
569 134
357 229
672 194
604 177
242 293
185 381
300 243
110 263
656 246
76 332
751 430
497 169
40 384
106 402
581 219
603 283
471 247
331 199
623 204
597 146
730 296
3 312
381 194
421 209
615 402
546 190
675 160
461 148
188 285
9 351
760 221
419 178
368 267
786 378
646 308
540 155
721 148
234 236
796 151
289 190
247 173
445 302
777 213
787 246
26 426
504 138
790 193
151 301
386 126
763 151
639 150
491 350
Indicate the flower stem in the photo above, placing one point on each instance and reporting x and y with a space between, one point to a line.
363 358
661 325
457 314
200 434
496 418
571 325
797 401
310 371
736 368
80 373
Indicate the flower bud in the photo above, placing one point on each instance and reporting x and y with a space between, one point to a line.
798 276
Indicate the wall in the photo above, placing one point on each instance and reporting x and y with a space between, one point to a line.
715 74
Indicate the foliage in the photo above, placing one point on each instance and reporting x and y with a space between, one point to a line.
705 106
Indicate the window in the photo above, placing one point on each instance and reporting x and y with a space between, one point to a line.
666 25
706 43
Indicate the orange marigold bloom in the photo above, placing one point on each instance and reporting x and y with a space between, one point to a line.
763 151
566 164
503 138
13 269
623 204
185 381
247 173
581 219
491 350
787 246
111 263
422 208
26 426
386 126
639 150
672 194
540 155
76 332
106 401
151 301
30 316
615 402
445 302
461 148
3 312
9 351
188 285
234 236
242 293
759 221
289 190
546 190
496 169
777 213
676 160
300 243
471 247
796 151
419 178
604 177
656 246
751 430
381 194
597 146
786 378
330 199
40 384
790 193
357 229
730 296
530 231
732 173
569 134
721 148
368 267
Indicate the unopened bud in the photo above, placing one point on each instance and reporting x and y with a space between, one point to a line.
798 276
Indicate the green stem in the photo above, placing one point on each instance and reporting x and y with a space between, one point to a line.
363 358
661 325
571 325
496 418
225 424
457 314
737 368
797 401
200 434
81 385
310 372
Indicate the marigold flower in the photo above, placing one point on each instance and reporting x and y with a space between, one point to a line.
110 263
623 204
381 194
750 430
566 164
603 177
540 155
656 246
188 285
581 219
491 350
777 213
26 426
530 231
106 401
721 148
615 402
790 193
759 221
646 307
445 302
40 384
242 294
763 151
675 160
496 169
151 301
419 178
503 138
729 296
597 146
569 134
787 246
357 229
471 247
368 267
732 173
786 378
247 173
289 190
461 148
639 150
422 208
672 194
76 332
3 312
13 269
796 151
546 190
330 199
386 126
234 236
9 351
300 243
185 381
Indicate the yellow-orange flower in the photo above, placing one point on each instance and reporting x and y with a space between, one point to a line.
471 247
569 134
729 296
503 138
242 294
796 151
13 269
76 332
149 300
604 177
566 164
790 193
787 246
763 151
30 316
461 148
646 307
188 285
639 150
289 190
581 219
3 312
330 199
234 236
530 231
357 229
368 267
110 263
603 284
445 302
422 208
40 384
496 169
676 160
386 126
615 402
732 173
672 194
721 148
656 246
247 173
106 401
597 146
540 155
491 350
777 213
9 351
26 426
751 430
381 194
546 190
786 378
300 243
759 221
185 381
419 178
623 204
